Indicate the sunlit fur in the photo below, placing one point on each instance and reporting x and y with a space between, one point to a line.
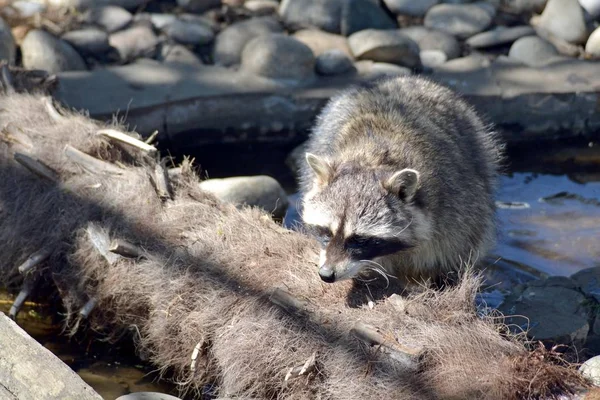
364 136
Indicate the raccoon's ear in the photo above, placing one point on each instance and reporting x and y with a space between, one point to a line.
403 183
322 169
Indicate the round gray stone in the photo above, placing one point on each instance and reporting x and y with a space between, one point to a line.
178 54
565 19
437 40
88 40
375 70
320 41
460 20
333 62
278 56
410 7
137 41
591 370
358 15
262 7
198 6
432 58
111 18
41 50
189 33
257 191
592 45
388 46
499 36
592 7
158 20
533 51
8 47
525 6
231 41
27 9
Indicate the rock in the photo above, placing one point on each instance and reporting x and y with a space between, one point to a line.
336 16
333 62
525 6
591 370
258 191
320 42
231 41
565 20
375 70
134 42
589 282
158 20
8 47
278 56
27 9
554 281
488 7
179 54
358 15
499 36
593 43
147 396
111 18
388 46
432 58
88 40
189 33
41 50
592 7
552 313
533 51
262 7
198 6
410 7
460 20
429 39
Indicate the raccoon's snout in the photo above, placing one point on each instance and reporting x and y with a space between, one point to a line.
327 274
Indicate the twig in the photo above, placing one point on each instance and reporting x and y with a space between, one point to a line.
101 242
125 138
371 336
288 302
11 134
197 349
35 259
92 164
125 249
88 307
52 111
36 166
160 180
151 138
304 369
26 290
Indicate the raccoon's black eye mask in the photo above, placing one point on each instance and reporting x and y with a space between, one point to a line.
367 247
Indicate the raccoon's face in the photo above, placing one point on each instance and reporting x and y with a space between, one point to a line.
360 216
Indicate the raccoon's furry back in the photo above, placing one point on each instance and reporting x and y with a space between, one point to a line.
411 122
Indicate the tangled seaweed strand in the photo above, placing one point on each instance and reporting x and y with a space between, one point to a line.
224 296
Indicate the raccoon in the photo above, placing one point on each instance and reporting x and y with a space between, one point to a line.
399 177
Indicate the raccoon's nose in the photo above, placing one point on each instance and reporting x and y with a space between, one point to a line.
327 274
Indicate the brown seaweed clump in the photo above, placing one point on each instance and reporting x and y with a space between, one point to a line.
224 296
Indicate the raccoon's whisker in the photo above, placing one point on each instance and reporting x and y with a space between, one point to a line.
405 228
379 269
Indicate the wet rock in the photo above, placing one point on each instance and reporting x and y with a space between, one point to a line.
591 370
564 19
592 45
320 41
231 41
533 51
198 6
333 62
88 40
523 6
460 20
375 70
41 50
592 7
388 46
432 58
278 56
410 7
158 20
189 33
336 16
111 18
430 39
498 36
259 191
551 313
262 7
554 281
358 15
589 282
8 47
134 42
179 54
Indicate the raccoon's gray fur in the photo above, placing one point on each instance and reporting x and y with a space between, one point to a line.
400 177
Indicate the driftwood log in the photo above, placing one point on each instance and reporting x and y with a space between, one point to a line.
28 371
222 297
